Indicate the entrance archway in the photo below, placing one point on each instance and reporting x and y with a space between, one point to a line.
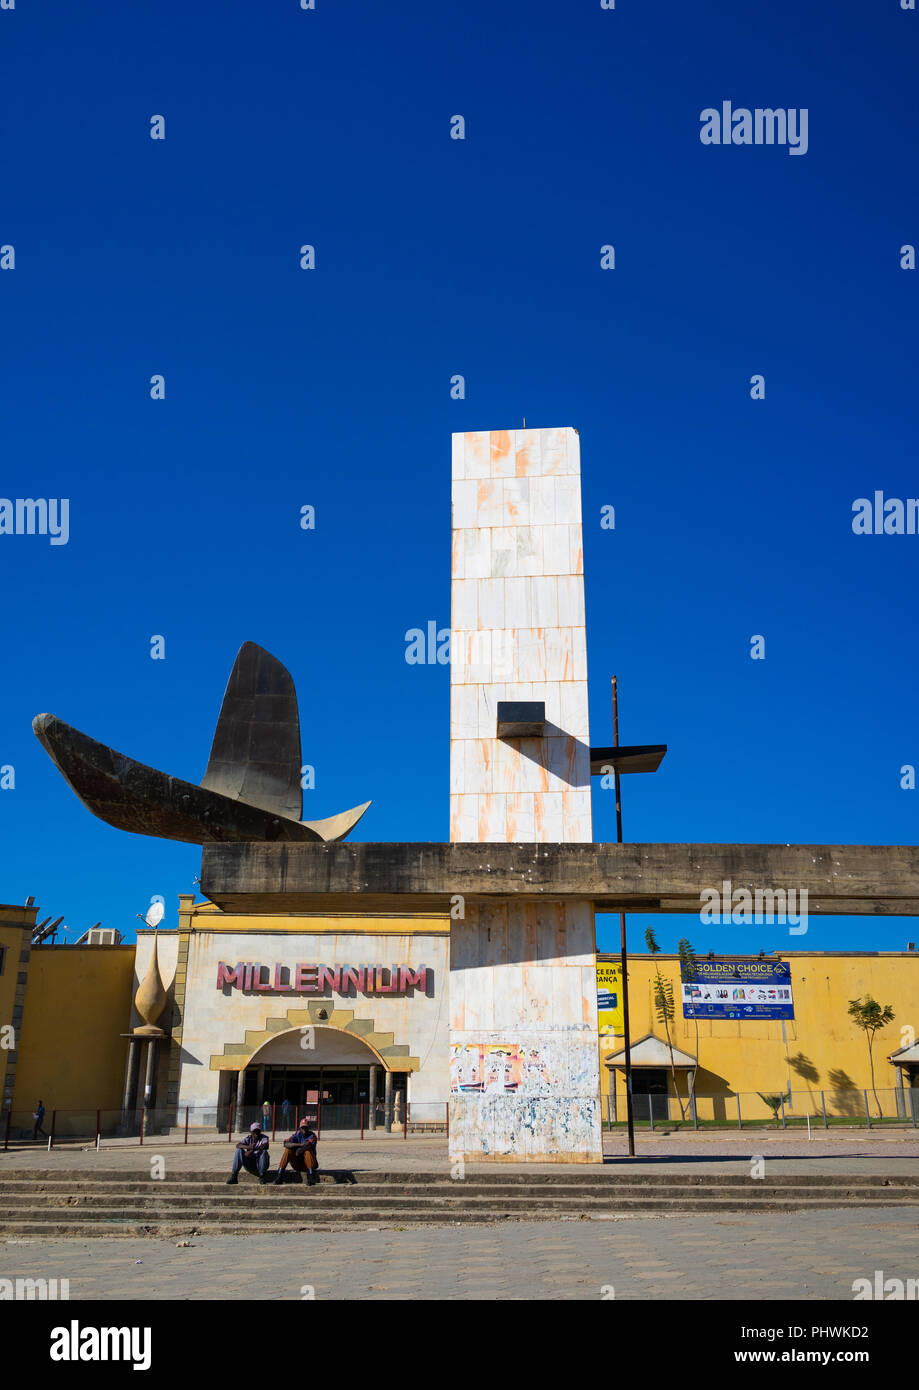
321 1064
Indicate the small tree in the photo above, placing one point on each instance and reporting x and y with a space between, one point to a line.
689 971
871 1016
773 1102
663 1005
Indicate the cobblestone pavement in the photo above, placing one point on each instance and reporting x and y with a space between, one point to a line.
802 1255
894 1153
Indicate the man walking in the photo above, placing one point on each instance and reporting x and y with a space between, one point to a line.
251 1154
38 1115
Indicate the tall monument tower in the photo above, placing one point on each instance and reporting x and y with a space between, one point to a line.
524 1078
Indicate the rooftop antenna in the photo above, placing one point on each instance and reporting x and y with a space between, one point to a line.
153 916
47 928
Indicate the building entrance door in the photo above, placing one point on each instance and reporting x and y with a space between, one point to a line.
326 1097
650 1094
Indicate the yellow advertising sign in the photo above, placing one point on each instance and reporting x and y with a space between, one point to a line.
609 999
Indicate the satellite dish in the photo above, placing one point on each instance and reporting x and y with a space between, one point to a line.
154 915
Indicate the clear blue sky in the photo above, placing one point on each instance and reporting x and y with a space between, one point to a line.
482 257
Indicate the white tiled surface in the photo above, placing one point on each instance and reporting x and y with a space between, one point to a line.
518 626
521 973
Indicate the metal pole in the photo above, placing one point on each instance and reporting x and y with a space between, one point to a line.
186 1124
867 1111
9 1116
782 1098
739 1120
142 1126
695 1117
826 1123
911 1093
362 1119
274 1106
98 1126
404 1115
623 949
54 1117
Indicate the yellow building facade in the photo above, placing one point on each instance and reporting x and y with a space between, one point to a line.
235 996
817 1060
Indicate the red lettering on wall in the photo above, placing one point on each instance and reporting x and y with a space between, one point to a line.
306 978
226 976
329 978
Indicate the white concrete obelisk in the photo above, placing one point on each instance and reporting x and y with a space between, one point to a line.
524 1071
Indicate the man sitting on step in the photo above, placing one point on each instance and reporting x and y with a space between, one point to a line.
300 1153
251 1154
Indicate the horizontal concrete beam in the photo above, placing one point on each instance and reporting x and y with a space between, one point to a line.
424 877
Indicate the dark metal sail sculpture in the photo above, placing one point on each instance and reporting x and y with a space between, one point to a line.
250 791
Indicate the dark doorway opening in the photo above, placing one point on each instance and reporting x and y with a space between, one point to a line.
650 1093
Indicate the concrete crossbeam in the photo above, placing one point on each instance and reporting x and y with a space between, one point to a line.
424 877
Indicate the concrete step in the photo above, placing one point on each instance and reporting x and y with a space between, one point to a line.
578 1175
439 1185
155 1195
89 1203
414 1210
168 1226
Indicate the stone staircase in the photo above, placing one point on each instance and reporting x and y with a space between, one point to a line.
107 1203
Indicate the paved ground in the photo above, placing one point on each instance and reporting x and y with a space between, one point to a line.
803 1255
894 1153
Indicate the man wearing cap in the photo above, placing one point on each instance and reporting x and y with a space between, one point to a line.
300 1153
251 1154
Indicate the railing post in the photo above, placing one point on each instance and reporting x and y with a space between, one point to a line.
912 1109
404 1118
362 1119
826 1123
141 1126
784 1125
867 1111
230 1125
98 1128
739 1120
186 1124
319 1116
9 1116
274 1121
692 1106
51 1135
651 1112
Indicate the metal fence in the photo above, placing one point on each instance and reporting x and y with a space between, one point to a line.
869 1108
196 1123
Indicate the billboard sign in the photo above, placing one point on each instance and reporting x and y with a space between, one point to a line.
733 988
609 999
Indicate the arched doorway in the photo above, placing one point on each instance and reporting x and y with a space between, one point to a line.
324 1075
330 1076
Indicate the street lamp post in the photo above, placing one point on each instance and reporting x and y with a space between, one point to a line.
623 948
641 758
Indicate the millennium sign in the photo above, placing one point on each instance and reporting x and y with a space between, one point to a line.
251 977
